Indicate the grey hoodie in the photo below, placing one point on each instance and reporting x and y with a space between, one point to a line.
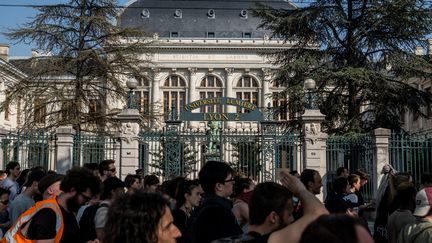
418 232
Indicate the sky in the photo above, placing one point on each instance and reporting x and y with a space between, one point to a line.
13 17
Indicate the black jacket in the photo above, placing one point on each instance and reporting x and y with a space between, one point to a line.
213 220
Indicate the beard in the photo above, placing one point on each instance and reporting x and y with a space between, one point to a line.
72 204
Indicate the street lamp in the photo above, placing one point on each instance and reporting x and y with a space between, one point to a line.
131 84
309 85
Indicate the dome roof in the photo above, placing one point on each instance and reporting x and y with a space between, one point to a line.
196 18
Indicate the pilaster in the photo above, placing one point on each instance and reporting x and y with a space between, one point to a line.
381 156
65 140
314 144
130 120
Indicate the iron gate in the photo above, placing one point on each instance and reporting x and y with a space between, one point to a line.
257 153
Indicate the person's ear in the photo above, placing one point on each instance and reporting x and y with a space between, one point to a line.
273 217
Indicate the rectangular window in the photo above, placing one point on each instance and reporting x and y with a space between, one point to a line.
166 102
429 106
67 111
6 110
210 35
247 35
174 34
145 102
39 111
239 96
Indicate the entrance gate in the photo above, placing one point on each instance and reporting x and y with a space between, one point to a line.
258 152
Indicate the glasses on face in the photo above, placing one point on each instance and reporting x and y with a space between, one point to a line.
87 198
229 180
4 202
112 170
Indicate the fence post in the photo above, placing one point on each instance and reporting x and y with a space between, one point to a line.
3 134
314 145
381 156
65 140
128 159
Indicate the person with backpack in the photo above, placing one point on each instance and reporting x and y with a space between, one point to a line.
92 222
53 220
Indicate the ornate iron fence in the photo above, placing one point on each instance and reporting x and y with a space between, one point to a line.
92 148
411 153
353 151
29 148
256 153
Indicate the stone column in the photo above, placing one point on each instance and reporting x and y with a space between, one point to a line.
192 93
156 100
314 145
266 99
3 134
229 92
130 120
64 160
381 156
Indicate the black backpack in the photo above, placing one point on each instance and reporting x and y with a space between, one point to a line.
86 223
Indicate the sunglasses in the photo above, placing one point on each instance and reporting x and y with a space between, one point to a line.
112 170
4 202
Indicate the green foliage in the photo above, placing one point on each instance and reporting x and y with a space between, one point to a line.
88 57
186 165
360 53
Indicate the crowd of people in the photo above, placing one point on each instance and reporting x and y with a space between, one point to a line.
91 204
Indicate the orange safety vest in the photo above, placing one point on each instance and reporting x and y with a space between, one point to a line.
15 235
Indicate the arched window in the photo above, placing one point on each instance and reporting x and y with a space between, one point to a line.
174 94
142 93
247 89
210 87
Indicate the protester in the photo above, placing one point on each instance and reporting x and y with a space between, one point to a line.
49 186
107 169
25 200
354 182
151 183
188 197
214 218
342 172
387 206
133 183
421 230
312 180
140 173
335 202
93 168
4 202
53 220
406 194
113 188
336 229
140 217
13 171
243 188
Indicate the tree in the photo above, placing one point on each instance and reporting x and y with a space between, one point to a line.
88 59
174 159
361 54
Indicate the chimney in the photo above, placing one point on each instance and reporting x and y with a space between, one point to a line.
4 52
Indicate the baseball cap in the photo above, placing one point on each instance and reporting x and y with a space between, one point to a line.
423 202
48 180
36 175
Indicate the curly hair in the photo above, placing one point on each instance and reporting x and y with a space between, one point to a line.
135 218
